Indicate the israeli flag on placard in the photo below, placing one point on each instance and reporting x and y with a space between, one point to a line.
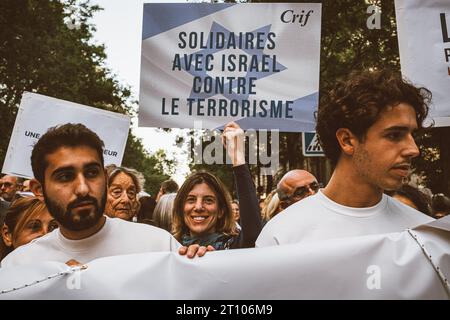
203 65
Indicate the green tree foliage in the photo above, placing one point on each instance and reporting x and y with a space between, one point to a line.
434 161
155 168
47 48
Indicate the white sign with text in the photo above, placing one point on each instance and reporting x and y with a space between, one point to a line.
424 44
255 64
37 113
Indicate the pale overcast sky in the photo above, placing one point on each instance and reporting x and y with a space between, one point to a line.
119 28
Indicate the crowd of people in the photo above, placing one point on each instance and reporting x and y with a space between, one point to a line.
76 209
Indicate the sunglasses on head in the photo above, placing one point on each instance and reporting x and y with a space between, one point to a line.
300 192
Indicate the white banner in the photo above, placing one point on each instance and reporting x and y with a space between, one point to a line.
413 264
256 64
37 113
424 43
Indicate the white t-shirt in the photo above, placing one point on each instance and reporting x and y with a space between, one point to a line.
318 218
117 237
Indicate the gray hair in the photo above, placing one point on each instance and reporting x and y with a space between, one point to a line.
162 216
137 177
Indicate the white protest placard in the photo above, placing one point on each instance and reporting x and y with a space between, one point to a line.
37 113
256 64
424 43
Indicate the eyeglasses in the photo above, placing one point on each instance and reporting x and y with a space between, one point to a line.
6 184
299 193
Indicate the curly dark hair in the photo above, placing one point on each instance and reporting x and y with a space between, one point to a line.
356 102
70 135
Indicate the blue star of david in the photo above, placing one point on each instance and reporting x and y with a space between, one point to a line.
215 27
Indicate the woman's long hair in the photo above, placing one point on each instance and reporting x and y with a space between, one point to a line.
224 224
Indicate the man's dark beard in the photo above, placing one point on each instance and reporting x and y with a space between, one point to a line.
65 217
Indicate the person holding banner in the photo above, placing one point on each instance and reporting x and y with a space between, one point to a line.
202 209
68 163
366 126
202 213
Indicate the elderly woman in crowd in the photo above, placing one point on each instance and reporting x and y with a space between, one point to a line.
26 219
124 184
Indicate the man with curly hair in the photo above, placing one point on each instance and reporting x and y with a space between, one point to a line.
366 126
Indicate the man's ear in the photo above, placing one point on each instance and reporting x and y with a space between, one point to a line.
347 140
6 235
36 188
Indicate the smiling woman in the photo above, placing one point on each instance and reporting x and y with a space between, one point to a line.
202 213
